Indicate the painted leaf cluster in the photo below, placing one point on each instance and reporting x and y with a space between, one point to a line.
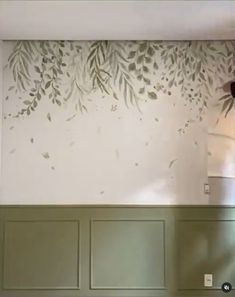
133 71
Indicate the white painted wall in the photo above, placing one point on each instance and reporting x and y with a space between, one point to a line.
222 191
117 20
113 154
143 20
110 155
104 157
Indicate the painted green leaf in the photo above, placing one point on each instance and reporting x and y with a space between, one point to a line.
27 102
155 66
180 82
152 95
61 53
49 117
37 69
115 96
171 163
46 155
47 85
225 105
143 47
170 84
145 69
224 97
140 59
150 51
141 90
202 76
131 54
148 60
147 81
229 108
132 67
210 80
58 102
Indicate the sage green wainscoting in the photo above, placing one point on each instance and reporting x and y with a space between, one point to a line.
115 251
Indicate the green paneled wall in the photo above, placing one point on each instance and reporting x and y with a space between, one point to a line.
115 251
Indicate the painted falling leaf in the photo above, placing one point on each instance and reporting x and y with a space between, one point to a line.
117 154
152 95
46 155
49 117
12 151
172 163
70 118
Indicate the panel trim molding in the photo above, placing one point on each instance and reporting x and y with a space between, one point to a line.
43 288
86 216
93 287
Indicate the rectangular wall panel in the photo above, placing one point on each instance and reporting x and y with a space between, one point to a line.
115 251
127 255
41 255
206 247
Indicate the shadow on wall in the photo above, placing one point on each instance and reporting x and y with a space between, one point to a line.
206 239
205 242
205 236
205 247
222 190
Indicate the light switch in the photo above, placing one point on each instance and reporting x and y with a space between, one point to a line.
208 280
206 189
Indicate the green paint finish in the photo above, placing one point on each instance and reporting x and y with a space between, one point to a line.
127 255
206 247
115 251
40 255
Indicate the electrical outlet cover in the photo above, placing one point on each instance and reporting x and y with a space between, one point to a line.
208 280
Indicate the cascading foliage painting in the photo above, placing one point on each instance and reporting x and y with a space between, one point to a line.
133 71
137 120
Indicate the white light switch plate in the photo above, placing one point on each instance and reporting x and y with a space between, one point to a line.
206 189
208 280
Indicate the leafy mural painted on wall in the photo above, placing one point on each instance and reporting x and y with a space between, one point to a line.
133 71
95 111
